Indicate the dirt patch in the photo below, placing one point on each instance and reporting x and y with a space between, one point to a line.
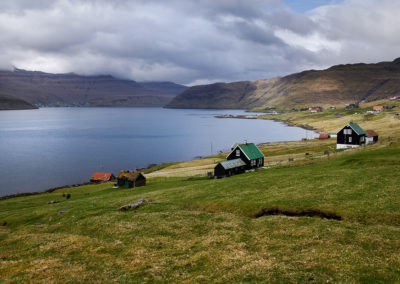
296 213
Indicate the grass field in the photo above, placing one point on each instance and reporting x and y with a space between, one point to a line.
197 229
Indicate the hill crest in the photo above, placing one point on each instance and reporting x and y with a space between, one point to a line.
70 89
335 86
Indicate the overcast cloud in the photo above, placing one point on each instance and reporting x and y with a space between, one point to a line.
194 42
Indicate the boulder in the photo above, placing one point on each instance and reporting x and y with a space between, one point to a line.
134 205
61 211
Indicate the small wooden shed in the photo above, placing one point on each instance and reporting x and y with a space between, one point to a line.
372 136
130 179
101 177
229 168
324 136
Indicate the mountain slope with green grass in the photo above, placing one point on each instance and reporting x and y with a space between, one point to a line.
206 230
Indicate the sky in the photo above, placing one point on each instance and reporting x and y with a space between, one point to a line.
195 42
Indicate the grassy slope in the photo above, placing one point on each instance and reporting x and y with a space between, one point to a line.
204 230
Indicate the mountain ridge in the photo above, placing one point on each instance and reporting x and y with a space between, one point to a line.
334 86
69 89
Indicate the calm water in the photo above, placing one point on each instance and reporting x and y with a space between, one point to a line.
49 147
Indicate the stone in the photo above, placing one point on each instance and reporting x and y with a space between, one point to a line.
53 201
134 205
61 211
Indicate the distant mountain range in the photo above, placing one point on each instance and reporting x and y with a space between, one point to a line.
336 86
46 89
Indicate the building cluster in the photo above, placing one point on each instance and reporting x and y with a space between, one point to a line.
124 179
247 157
352 136
243 157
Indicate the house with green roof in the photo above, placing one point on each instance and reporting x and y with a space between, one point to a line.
351 136
249 154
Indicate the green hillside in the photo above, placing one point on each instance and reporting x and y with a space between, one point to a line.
205 230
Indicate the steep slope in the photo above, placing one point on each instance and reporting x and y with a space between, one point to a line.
218 95
70 89
11 103
337 85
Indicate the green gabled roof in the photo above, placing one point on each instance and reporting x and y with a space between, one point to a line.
231 164
251 151
357 128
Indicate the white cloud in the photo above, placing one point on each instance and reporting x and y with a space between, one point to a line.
193 42
313 42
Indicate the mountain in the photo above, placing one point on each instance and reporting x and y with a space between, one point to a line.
338 85
10 103
46 89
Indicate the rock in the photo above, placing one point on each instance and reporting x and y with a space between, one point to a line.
53 201
4 223
135 205
61 211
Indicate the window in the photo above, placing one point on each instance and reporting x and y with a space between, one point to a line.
347 131
362 139
350 139
237 153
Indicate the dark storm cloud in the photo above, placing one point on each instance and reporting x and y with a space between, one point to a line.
188 41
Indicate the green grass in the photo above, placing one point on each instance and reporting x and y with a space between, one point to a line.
202 230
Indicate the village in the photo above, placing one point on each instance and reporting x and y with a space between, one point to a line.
247 157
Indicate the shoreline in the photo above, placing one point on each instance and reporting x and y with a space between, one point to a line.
287 122
50 190
252 117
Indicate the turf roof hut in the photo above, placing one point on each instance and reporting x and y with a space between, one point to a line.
130 179
249 153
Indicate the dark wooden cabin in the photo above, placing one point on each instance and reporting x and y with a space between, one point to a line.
130 179
229 168
351 136
101 177
249 153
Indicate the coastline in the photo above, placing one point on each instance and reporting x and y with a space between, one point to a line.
50 190
289 123
22 194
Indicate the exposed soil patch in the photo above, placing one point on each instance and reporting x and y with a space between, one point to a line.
295 213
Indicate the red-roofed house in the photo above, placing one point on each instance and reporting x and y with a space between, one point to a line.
99 177
372 137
